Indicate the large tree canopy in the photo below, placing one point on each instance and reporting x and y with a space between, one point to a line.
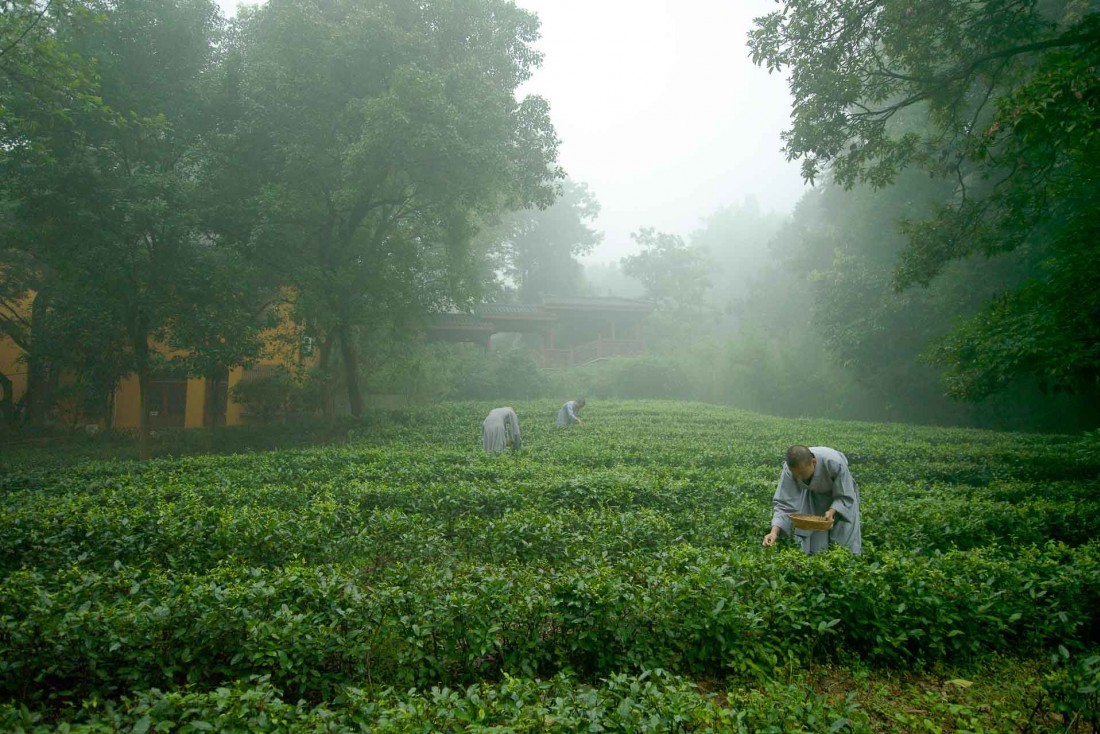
541 245
101 186
1000 98
673 272
164 175
377 135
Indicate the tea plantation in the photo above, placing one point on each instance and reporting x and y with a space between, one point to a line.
610 577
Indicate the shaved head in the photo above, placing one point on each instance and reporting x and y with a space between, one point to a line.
799 455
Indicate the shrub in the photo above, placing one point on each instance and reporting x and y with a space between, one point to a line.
270 397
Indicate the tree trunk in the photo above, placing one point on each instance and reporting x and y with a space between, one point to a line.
109 414
324 364
141 354
7 401
211 409
212 403
144 452
37 398
351 369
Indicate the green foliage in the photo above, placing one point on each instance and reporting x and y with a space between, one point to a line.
431 372
540 245
999 102
271 397
674 273
370 140
105 200
1046 328
499 374
854 65
405 580
652 377
652 701
165 175
1088 447
40 76
1074 685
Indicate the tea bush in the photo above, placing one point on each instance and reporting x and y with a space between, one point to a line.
405 581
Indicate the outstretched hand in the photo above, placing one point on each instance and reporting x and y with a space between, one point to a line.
769 539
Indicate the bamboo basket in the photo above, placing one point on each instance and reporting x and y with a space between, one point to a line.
811 522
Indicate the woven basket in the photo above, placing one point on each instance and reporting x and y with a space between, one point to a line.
811 522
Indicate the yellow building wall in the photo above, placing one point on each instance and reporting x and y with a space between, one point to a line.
127 403
234 413
11 364
196 403
282 348
11 356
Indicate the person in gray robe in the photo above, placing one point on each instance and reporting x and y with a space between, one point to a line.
816 481
500 429
567 416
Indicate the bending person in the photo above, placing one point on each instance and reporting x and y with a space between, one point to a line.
816 481
500 429
567 416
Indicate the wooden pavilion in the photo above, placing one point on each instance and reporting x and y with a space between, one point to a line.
572 331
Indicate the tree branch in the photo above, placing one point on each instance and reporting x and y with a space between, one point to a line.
966 71
28 29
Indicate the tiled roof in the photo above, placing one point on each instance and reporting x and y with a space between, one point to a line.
457 319
485 313
596 303
488 310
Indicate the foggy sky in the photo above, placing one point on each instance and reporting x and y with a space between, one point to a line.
660 110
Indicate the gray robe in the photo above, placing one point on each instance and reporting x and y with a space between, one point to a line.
831 486
567 416
500 428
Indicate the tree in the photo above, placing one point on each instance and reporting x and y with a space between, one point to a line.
105 196
43 82
675 277
674 273
219 320
541 245
999 98
736 239
840 249
378 135
40 75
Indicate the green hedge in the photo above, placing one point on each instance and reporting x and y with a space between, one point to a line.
407 558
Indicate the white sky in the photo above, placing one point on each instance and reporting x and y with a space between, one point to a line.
660 110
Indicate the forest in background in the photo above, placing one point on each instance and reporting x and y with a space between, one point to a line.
168 176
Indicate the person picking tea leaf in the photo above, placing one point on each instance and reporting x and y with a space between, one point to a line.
567 416
816 481
501 429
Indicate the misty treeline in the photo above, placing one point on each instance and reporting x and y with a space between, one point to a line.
171 179
947 265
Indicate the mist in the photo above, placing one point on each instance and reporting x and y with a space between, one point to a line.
322 207
549 365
